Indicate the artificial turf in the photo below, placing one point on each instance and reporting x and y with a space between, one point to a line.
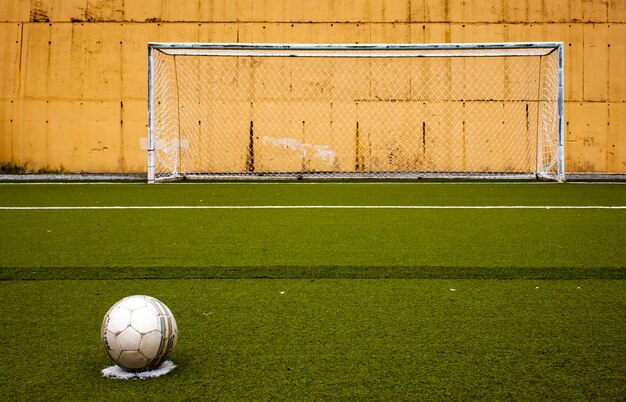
312 193
329 339
321 304
226 243
320 243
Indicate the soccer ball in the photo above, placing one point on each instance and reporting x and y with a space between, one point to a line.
139 332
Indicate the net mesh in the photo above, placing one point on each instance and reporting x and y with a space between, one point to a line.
349 115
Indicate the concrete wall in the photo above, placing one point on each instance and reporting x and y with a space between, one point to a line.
73 83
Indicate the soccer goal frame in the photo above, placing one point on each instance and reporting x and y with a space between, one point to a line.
405 111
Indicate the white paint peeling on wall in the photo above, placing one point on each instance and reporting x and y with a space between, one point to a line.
316 151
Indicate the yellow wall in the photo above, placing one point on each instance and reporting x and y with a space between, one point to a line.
73 82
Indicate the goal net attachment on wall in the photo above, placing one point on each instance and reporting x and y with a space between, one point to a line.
355 111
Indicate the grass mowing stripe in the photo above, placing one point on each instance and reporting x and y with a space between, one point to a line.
501 239
335 339
45 273
113 207
323 194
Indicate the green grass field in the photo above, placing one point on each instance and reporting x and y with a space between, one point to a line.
321 291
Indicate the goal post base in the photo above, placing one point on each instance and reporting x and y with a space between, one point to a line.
365 176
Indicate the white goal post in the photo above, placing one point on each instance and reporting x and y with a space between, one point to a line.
237 111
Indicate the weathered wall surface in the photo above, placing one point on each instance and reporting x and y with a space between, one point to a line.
73 83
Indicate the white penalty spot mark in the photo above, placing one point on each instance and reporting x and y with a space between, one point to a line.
118 373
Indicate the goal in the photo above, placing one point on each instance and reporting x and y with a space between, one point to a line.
262 111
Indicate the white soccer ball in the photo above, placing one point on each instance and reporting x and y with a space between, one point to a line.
139 332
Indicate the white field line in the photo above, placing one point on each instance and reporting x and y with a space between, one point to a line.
122 207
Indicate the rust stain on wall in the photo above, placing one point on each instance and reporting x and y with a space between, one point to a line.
104 10
38 13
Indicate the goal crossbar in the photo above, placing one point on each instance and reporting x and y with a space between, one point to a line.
389 110
357 50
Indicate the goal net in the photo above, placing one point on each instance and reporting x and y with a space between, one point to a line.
355 111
